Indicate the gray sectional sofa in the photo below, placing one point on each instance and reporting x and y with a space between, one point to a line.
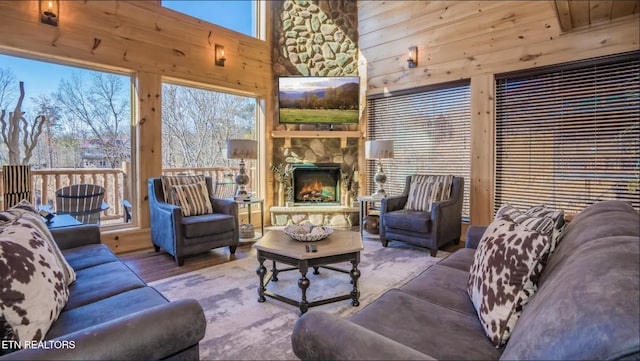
112 314
587 305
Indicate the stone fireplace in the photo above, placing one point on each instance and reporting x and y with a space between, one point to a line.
316 184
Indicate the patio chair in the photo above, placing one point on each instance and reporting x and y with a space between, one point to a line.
82 201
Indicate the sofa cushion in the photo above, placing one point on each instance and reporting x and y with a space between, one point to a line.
105 310
588 309
504 275
193 199
430 328
541 224
460 259
610 221
410 220
101 281
207 224
33 290
26 211
172 180
444 286
88 256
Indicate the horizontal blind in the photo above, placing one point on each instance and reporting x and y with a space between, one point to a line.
569 136
431 130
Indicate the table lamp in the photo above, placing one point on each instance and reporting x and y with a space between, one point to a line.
379 149
242 149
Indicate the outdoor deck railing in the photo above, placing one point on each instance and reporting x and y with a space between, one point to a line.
116 182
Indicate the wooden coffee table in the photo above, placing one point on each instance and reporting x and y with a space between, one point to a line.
340 246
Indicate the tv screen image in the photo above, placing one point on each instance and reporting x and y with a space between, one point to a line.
312 99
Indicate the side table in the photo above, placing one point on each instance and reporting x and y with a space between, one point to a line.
248 203
367 203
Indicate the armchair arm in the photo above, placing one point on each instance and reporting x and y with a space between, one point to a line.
393 203
152 334
319 335
474 235
76 236
224 206
447 220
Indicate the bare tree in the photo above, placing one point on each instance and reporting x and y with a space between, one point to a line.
18 133
101 105
196 124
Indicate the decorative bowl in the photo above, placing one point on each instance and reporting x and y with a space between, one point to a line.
307 233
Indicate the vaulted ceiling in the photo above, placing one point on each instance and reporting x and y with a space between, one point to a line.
584 13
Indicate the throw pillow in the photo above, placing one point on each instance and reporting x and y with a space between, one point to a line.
25 211
33 289
426 189
193 199
558 222
533 223
171 180
504 275
422 195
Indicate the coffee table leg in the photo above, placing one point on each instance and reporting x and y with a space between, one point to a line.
355 274
261 271
303 283
274 272
316 270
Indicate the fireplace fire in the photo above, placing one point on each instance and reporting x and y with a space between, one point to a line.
316 183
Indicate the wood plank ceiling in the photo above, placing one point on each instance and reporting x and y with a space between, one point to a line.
584 13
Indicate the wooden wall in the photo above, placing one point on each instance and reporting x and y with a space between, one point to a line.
475 40
149 42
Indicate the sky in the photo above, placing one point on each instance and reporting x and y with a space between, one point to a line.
43 78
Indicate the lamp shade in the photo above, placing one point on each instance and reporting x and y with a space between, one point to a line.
242 149
377 149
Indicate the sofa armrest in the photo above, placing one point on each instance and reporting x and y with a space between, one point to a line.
76 236
152 334
474 235
319 335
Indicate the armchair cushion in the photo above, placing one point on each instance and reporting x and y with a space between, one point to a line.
172 180
416 221
193 198
207 224
504 275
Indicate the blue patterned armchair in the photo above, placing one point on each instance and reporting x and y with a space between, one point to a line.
433 228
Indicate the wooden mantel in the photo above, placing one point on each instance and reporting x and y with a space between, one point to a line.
342 134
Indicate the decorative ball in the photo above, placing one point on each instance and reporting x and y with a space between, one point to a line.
372 224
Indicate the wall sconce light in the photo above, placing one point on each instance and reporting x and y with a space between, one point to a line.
219 55
49 12
412 61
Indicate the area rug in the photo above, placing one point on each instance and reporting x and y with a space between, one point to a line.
241 328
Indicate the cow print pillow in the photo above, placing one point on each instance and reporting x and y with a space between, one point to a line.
504 275
33 290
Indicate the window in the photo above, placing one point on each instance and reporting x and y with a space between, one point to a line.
431 130
86 133
568 136
237 15
196 124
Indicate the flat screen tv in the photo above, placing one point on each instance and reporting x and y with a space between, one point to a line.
313 100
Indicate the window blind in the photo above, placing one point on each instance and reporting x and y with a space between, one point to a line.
568 136
431 130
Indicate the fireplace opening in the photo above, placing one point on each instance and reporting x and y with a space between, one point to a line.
316 183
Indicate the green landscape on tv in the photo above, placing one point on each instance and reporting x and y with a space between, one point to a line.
318 100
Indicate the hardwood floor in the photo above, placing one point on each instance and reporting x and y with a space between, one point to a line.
152 266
